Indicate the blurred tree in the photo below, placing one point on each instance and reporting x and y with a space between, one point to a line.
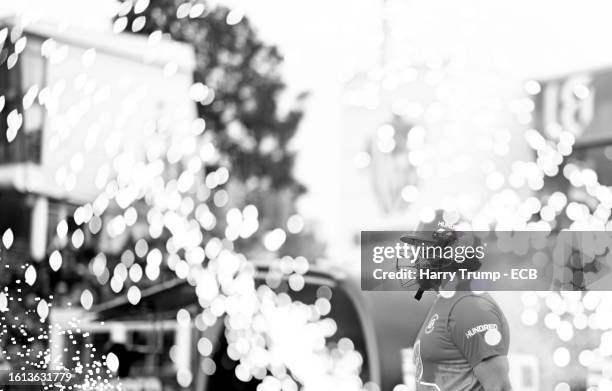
237 84
237 87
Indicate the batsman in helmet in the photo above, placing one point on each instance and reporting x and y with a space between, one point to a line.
463 343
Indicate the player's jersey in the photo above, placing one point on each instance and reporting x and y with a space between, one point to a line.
458 333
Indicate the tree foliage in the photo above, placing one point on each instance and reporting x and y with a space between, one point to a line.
243 75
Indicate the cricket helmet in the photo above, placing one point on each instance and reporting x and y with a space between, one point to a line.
439 232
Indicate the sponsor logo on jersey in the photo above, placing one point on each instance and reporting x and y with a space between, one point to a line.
431 324
480 329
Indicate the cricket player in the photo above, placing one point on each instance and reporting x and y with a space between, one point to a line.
463 342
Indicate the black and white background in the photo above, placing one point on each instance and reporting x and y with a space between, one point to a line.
183 183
